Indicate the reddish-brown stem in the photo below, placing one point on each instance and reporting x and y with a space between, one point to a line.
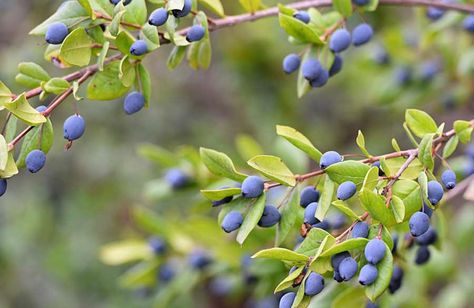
123 23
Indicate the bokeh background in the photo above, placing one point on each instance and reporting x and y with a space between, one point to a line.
52 224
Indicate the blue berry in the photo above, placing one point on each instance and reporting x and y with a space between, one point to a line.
396 279
139 48
361 229
427 210
469 151
427 238
56 33
232 221
74 127
422 255
325 225
361 2
3 186
434 13
428 70
195 33
348 268
302 16
371 305
321 80
340 40
199 259
381 56
368 274
270 217
329 158
223 200
134 102
252 187
336 66
158 17
468 23
125 2
337 259
346 190
35 161
176 178
311 69
435 192
377 164
309 213
374 251
157 245
419 223
287 300
338 221
403 76
291 63
362 34
449 179
314 284
188 4
41 108
308 195
337 276
166 273
395 242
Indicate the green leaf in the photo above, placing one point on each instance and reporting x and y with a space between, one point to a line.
31 74
11 128
281 254
375 205
22 110
289 213
199 54
77 48
176 57
251 219
351 297
214 5
247 147
149 33
313 241
463 130
395 145
299 140
450 146
158 155
103 55
56 85
349 170
123 42
251 6
425 151
10 168
360 140
5 95
391 167
349 244
175 5
342 206
3 153
220 164
343 6
326 198
299 30
40 137
398 209
114 26
136 12
144 79
423 181
124 252
420 123
127 72
106 85
87 6
142 274
288 281
372 6
219 194
371 179
274 168
409 192
300 293
70 13
385 268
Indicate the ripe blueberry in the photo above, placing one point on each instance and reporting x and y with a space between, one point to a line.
337 276
368 274
321 80
435 192
287 300
434 13
336 66
134 102
56 33
74 127
157 245
360 2
311 69
302 16
188 4
403 76
329 158
291 63
427 238
427 210
374 251
195 33
309 213
362 34
361 229
41 108
395 242
232 221
199 259
419 223
308 195
3 187
449 179
468 23
340 40
325 225
139 48
346 190
166 273
422 255
338 221
176 178
252 187
377 164
371 305
428 70
337 259
35 161
396 279
381 56
314 284
270 217
125 2
348 268
158 17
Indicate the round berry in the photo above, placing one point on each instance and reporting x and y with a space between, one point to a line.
252 187
368 274
340 40
321 80
336 66
329 158
434 13
35 161
371 305
427 238
325 225
346 190
158 17
56 33
362 34
166 273
374 251
311 69
232 221
314 284
337 259
309 213
287 300
435 192
422 255
139 48
270 217
291 63
361 2
3 186
348 268
133 103
157 245
195 33
449 179
176 178
308 195
188 4
361 229
74 127
396 279
41 108
419 223
302 16
199 259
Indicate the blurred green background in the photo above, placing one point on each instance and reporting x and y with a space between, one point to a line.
53 224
